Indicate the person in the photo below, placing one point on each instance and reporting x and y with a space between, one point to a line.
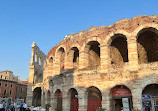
4 106
21 106
147 107
12 107
15 106
1 106
25 106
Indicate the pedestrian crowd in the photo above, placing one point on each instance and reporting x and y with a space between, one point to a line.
13 106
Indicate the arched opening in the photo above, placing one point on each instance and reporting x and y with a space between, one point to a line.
147 43
93 53
37 97
48 97
118 50
51 60
61 58
150 97
121 98
35 58
73 97
58 97
74 57
94 98
39 61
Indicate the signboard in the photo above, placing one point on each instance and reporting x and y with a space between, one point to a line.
146 96
125 103
122 91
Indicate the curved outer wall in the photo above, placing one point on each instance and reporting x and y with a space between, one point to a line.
106 75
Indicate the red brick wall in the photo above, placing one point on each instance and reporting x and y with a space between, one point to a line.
8 88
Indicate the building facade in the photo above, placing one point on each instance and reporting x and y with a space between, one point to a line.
8 89
8 75
11 86
102 67
21 90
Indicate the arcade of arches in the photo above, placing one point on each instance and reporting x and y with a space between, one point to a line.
110 67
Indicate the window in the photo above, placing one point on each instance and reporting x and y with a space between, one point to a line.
1 76
21 89
0 84
6 85
10 92
11 85
5 93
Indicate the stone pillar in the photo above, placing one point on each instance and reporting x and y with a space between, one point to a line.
69 60
106 100
136 94
46 97
82 104
82 100
53 102
29 96
83 59
132 53
43 98
56 65
105 58
65 102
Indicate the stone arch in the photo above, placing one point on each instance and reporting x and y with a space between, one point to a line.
73 100
36 101
151 89
60 59
147 45
108 38
118 50
93 52
94 98
117 93
56 89
51 60
150 96
143 26
89 40
58 100
75 45
73 57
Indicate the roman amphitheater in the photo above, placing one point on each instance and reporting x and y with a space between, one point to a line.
109 67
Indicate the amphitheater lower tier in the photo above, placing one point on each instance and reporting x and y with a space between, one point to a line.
82 90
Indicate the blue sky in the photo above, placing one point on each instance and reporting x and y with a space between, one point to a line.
47 21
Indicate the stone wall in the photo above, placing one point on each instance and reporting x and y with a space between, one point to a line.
123 57
36 73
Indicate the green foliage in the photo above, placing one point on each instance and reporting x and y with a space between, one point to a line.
47 106
100 109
